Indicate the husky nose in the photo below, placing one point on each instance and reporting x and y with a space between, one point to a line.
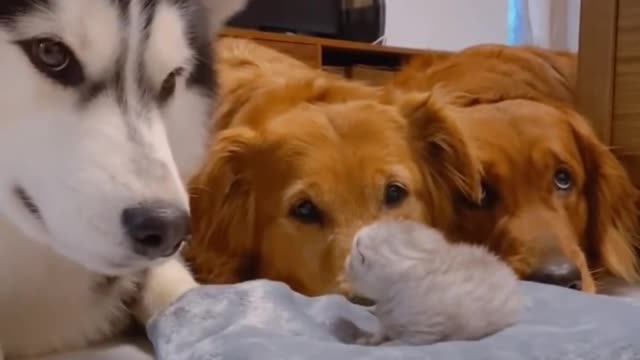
157 229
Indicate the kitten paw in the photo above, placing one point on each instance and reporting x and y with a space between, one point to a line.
372 339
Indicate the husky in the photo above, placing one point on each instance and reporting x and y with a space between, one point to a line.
105 107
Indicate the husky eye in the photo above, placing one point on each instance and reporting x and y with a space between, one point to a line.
307 212
168 86
54 59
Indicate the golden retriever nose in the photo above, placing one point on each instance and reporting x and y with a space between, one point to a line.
559 271
156 229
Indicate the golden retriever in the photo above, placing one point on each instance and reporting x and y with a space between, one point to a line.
296 170
495 72
557 205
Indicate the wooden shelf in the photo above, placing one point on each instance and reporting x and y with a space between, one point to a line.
320 52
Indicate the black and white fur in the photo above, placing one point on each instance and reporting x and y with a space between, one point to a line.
104 105
427 290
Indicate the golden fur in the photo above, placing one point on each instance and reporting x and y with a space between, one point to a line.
515 107
495 72
296 170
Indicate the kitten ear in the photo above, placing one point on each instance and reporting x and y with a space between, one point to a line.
220 11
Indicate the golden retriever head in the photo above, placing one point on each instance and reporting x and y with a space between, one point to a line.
557 205
283 194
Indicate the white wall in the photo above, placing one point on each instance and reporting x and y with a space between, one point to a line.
446 24
455 24
573 24
555 23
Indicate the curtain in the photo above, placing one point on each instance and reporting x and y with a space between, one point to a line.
547 23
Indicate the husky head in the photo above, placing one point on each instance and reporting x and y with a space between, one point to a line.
105 109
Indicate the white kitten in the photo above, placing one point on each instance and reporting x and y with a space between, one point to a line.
428 290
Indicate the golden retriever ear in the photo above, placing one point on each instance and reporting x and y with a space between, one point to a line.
222 209
612 199
440 143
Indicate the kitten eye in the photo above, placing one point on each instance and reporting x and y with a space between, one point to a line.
168 86
563 180
362 259
394 194
307 212
54 59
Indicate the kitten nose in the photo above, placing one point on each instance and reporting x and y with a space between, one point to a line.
156 228
559 271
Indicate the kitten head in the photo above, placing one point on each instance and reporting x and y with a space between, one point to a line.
385 252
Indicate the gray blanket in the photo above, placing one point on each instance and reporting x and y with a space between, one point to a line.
267 321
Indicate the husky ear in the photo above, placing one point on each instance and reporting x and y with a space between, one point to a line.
220 11
223 209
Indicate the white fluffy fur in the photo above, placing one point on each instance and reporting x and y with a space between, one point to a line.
428 290
82 170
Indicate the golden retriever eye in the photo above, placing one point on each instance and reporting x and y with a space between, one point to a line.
563 180
394 194
488 199
307 212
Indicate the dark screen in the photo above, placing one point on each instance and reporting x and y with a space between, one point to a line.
310 17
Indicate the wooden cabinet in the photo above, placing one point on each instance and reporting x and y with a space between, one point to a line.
608 88
307 53
362 61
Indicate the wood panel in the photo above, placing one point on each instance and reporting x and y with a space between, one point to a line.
632 164
626 123
596 64
330 52
324 42
309 54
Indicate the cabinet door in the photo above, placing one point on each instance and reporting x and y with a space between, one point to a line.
625 129
596 64
608 85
